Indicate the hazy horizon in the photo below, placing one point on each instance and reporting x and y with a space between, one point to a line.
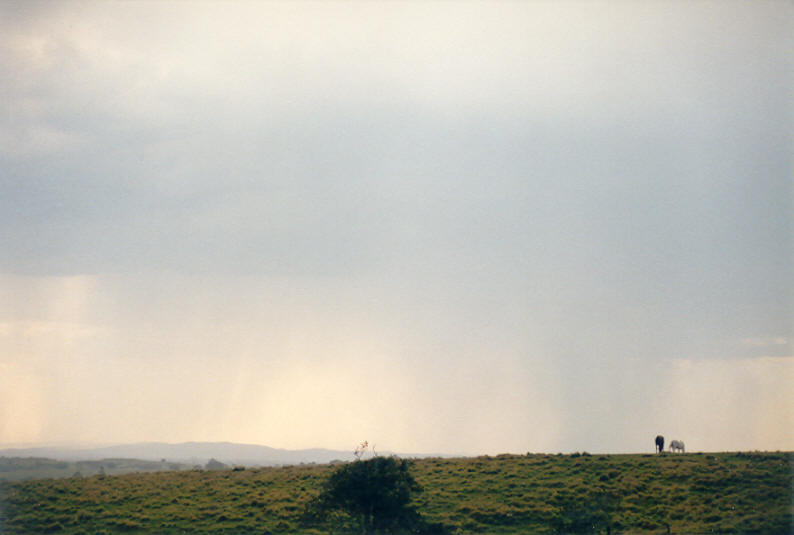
78 446
456 227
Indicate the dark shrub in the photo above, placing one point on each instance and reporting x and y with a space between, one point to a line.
372 496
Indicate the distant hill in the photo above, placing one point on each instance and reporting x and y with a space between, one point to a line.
191 453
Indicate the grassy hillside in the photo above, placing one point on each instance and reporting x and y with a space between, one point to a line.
691 493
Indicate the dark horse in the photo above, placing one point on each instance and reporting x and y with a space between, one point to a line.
659 443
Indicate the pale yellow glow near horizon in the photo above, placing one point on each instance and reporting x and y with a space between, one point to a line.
733 404
22 406
74 374
281 374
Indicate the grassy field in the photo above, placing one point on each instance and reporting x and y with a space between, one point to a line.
508 494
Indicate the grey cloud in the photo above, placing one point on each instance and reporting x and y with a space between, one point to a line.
576 191
340 194
666 189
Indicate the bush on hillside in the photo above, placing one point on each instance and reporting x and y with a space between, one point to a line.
213 464
372 496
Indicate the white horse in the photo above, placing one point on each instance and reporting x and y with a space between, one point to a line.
677 445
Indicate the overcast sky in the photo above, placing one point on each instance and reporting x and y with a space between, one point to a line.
440 227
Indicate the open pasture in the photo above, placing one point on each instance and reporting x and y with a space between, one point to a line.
506 494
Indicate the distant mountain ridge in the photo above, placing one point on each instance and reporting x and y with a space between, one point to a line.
187 452
192 453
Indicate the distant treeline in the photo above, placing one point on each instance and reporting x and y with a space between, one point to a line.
13 464
24 468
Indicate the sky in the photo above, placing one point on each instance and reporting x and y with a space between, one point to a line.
441 227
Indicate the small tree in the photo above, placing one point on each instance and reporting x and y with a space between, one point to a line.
362 448
375 497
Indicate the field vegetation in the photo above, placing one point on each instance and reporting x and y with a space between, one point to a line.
507 494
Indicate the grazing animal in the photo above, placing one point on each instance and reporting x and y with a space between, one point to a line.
677 445
659 443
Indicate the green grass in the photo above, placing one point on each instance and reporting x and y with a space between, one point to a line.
691 493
